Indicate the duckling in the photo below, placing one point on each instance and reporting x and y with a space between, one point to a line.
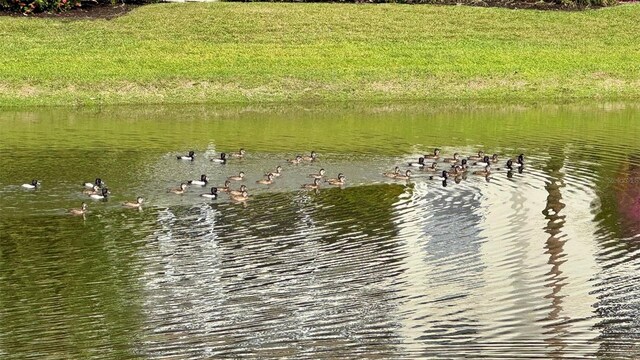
267 181
243 188
238 177
419 164
319 175
102 195
276 173
240 198
454 159
221 160
315 185
313 156
442 177
204 180
485 172
476 158
296 160
81 211
211 195
95 190
239 154
393 174
406 176
226 187
34 184
341 180
190 157
137 204
181 190
484 162
98 182
435 156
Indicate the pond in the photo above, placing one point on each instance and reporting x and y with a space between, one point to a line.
542 261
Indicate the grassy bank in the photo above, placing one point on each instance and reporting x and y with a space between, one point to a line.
263 52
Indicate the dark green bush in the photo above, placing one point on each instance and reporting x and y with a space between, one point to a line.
34 6
532 4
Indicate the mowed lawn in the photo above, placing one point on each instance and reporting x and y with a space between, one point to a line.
275 52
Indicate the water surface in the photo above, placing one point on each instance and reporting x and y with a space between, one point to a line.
540 263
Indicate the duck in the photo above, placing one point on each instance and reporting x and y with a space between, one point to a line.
81 211
137 204
518 164
434 156
319 175
240 198
315 185
267 181
296 160
312 157
34 184
442 177
433 167
419 164
191 156
102 195
211 195
393 174
181 190
494 158
204 180
226 187
238 177
480 156
484 162
221 160
341 180
239 155
243 188
406 176
276 173
98 182
457 170
95 190
454 159
485 172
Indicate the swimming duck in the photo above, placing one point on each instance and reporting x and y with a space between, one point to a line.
239 154
95 190
238 177
267 181
211 195
433 167
221 160
102 195
419 164
435 156
181 190
296 160
485 172
341 180
276 173
484 162
81 211
454 159
204 180
518 164
319 175
190 157
243 188
406 176
315 185
136 204
313 156
477 158
393 174
240 198
457 170
442 177
226 187
98 182
34 184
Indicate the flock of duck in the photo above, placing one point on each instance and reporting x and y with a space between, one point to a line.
455 167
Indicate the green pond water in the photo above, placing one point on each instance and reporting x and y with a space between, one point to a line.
542 261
